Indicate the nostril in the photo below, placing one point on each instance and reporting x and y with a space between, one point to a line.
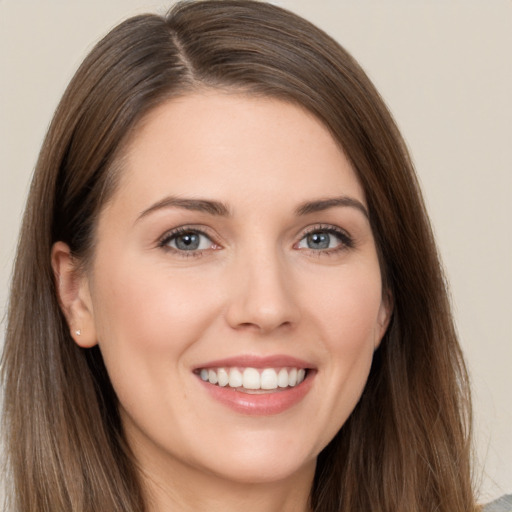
265 323
262 300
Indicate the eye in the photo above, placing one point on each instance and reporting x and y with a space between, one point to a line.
325 239
187 240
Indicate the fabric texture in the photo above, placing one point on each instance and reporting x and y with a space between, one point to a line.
503 504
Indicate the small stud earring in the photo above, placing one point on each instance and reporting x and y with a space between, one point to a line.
78 332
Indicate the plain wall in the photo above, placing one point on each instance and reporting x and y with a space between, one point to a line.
444 69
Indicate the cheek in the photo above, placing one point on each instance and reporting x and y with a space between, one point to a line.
349 309
347 322
147 306
146 321
147 317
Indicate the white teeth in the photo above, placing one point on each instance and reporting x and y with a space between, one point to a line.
253 378
222 377
235 378
268 379
292 377
282 378
212 376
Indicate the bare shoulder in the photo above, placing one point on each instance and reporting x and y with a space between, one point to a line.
503 504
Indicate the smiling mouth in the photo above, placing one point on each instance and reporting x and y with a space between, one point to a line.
254 380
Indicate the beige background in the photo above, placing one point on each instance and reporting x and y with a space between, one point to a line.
445 70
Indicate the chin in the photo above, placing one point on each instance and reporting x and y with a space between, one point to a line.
258 463
264 471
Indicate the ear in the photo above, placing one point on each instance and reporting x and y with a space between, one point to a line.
74 296
384 316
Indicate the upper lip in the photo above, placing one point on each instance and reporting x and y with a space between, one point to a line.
255 361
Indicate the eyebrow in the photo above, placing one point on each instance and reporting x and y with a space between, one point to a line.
197 205
220 209
331 202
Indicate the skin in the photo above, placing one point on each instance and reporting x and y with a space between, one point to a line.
255 287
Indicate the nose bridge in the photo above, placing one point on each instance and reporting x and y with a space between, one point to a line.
261 294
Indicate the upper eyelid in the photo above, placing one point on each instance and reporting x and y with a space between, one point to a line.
324 227
202 230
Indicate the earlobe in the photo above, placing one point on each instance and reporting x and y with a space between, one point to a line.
73 295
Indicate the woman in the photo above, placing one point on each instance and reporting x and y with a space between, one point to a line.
227 292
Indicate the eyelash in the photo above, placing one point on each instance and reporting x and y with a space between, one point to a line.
183 230
346 241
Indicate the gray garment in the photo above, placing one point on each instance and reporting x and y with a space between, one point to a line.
503 504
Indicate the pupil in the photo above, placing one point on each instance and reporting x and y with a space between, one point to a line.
187 241
319 241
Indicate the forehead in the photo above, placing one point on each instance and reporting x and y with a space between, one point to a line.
218 143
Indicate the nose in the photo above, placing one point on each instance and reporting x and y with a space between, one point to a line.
261 294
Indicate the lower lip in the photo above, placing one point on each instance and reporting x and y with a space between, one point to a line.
264 404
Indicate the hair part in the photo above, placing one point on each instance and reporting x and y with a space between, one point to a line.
406 445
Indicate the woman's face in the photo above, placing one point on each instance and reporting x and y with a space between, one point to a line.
236 254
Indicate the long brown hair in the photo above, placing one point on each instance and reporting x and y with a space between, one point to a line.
405 448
